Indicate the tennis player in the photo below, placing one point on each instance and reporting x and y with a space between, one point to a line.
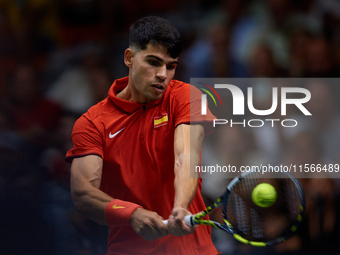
131 156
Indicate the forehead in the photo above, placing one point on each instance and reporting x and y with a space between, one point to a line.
157 51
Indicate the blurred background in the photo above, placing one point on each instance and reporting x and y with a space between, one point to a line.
59 57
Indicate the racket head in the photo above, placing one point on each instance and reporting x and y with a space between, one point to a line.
263 226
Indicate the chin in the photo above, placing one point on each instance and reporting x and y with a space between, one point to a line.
155 97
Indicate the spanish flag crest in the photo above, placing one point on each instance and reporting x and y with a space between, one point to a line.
160 120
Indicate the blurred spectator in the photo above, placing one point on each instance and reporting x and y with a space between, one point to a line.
305 148
222 48
325 119
273 17
101 81
34 117
24 230
215 60
328 11
74 90
243 29
72 232
209 56
53 157
318 232
262 63
280 10
220 64
34 26
297 53
319 59
80 21
7 55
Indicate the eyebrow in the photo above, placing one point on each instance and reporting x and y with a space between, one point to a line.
161 60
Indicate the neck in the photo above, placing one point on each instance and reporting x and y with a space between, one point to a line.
130 93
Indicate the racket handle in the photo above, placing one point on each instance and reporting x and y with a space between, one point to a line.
187 219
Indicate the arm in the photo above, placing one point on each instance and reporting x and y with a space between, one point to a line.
188 142
86 173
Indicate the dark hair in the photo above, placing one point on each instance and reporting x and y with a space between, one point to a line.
157 31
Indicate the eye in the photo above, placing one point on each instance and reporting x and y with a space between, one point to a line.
153 62
171 67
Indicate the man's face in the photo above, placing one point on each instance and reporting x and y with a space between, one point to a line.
151 70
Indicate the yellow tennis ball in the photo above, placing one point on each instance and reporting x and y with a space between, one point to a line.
264 195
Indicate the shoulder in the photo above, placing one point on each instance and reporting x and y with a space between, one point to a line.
100 110
182 89
96 116
183 92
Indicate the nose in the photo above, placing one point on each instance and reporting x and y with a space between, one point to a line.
162 73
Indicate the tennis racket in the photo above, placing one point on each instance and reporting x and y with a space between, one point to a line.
250 223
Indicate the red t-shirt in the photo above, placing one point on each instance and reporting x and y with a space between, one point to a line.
136 142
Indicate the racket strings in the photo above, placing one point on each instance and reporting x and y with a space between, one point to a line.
263 224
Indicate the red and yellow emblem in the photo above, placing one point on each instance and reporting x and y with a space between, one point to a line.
160 120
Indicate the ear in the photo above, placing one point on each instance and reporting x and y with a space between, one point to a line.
128 57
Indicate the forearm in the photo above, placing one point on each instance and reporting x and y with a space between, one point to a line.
91 202
188 144
85 182
187 153
185 185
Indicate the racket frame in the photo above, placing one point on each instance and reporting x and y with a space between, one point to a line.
198 218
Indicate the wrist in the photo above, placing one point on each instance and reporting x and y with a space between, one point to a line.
180 211
178 207
182 204
118 212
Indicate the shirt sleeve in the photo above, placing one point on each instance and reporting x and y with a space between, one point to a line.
86 139
188 109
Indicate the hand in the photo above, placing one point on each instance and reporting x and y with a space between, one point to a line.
176 224
148 224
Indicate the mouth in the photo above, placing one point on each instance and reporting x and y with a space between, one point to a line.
158 87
